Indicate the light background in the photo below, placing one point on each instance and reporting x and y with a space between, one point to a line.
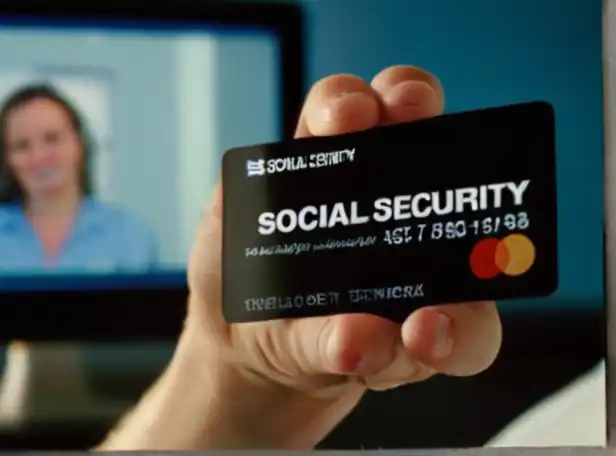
162 109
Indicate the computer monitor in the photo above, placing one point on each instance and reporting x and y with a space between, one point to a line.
113 122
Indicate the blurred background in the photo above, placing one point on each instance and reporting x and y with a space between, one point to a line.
161 109
486 53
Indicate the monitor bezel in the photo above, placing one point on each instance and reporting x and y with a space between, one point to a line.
152 313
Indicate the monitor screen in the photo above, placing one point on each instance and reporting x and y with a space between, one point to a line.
112 135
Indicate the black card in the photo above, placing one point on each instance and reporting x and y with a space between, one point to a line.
457 208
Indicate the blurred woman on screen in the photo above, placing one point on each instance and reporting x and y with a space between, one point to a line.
49 220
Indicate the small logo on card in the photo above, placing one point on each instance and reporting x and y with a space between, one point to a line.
298 163
513 256
255 168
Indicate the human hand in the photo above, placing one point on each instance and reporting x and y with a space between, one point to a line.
325 364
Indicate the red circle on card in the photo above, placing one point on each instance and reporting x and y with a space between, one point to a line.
483 259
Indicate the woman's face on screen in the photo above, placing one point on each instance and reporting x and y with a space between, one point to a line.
42 148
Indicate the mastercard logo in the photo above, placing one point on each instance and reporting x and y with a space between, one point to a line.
512 256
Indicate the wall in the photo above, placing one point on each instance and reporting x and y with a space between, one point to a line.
490 53
228 98
248 84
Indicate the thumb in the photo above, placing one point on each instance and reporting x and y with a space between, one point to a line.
322 350
204 266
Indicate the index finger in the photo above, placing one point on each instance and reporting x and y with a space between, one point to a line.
337 104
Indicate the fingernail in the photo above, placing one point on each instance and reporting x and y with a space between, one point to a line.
443 342
411 94
366 365
402 370
373 362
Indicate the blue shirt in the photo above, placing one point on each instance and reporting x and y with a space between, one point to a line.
104 239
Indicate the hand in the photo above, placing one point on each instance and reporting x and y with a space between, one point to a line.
337 358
